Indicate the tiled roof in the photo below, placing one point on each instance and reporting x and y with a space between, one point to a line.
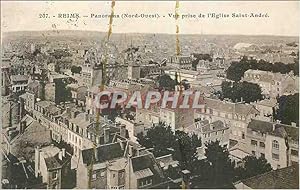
52 109
285 178
45 103
229 107
19 77
50 154
214 126
81 121
268 102
33 84
148 162
104 153
280 129
206 127
143 173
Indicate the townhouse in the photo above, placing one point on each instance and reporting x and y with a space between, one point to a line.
276 142
119 165
235 115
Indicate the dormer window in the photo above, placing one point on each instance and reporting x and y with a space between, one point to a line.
275 145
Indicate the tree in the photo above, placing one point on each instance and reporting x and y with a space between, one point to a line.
62 93
185 84
221 170
237 69
166 82
160 137
185 149
279 67
295 67
253 166
288 109
235 91
75 69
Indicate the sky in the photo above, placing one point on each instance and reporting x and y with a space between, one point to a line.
284 17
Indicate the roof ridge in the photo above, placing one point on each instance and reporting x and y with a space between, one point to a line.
263 174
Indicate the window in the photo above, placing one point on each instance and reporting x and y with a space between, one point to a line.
54 175
262 144
216 133
253 153
275 156
262 155
294 152
253 142
145 182
275 145
94 176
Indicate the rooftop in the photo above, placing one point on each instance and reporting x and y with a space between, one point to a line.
284 178
103 153
280 129
15 78
229 107
45 104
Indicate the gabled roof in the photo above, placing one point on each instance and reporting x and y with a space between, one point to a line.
104 153
229 107
142 165
281 130
50 154
19 78
284 178
45 104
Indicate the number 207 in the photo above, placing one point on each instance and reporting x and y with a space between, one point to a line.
44 15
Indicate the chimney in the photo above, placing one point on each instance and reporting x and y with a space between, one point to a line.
91 119
121 144
105 117
63 150
294 124
274 126
22 127
37 161
60 155
186 178
139 150
96 154
130 151
68 109
211 126
106 135
123 131
73 114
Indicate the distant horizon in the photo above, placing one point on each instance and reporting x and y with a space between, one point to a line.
203 34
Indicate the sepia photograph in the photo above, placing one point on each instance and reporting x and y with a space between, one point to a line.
150 94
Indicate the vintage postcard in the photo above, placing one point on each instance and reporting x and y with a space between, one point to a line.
150 94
